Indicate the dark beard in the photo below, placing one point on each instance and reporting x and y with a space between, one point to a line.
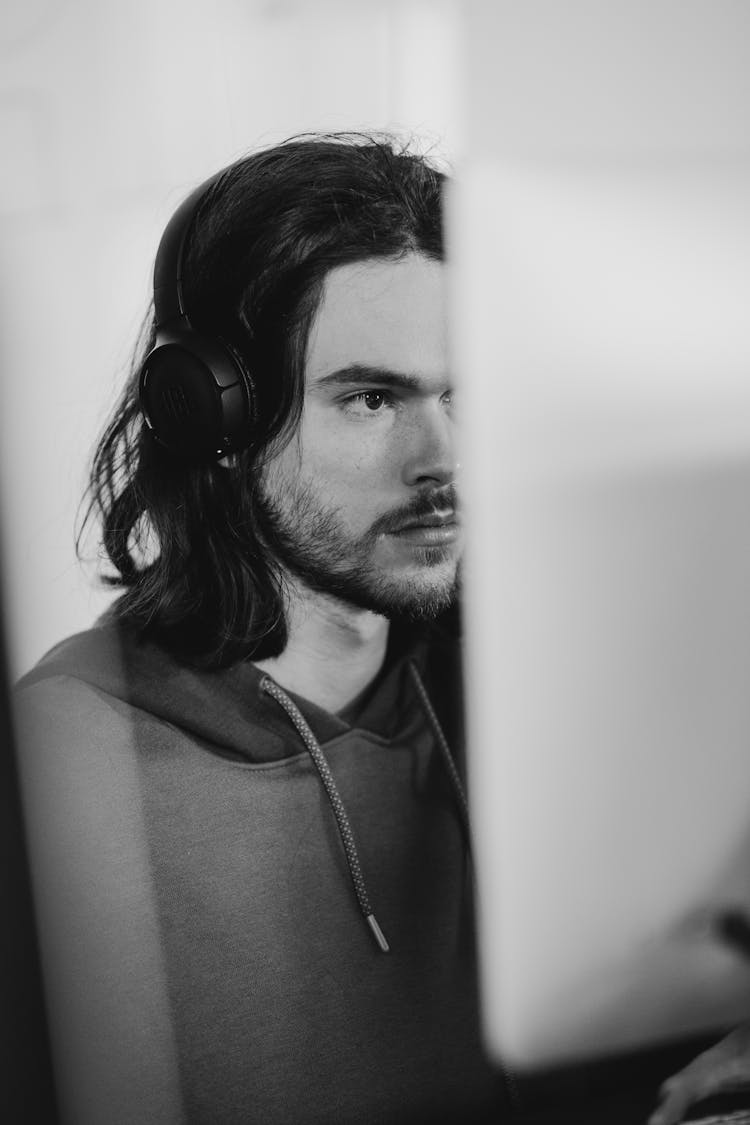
307 543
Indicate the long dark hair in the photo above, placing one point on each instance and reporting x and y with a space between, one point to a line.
187 542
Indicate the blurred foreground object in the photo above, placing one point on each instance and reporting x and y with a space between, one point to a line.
604 348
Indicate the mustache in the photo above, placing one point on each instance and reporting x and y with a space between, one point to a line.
424 504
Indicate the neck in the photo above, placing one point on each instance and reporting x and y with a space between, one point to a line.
334 650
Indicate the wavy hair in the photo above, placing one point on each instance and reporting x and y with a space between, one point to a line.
188 544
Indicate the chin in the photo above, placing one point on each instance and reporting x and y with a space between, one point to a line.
417 598
420 591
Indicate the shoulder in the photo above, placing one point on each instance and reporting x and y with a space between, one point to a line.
63 722
78 670
110 688
77 696
108 668
97 657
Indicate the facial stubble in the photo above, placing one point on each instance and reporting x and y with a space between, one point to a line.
311 542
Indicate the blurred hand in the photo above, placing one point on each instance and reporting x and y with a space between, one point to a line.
723 1069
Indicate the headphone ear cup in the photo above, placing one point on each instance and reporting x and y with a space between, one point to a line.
197 396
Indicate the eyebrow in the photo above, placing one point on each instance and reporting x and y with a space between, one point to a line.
358 374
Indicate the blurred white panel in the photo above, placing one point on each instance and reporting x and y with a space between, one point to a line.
648 76
625 302
23 21
602 236
607 497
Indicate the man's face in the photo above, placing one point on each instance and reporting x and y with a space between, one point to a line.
362 498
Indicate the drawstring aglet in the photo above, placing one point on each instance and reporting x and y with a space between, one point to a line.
379 935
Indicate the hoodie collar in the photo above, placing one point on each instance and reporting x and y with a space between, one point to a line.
225 708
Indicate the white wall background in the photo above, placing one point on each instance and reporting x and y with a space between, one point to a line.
109 113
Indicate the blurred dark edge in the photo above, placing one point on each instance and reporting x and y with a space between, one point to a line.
27 1090
621 1090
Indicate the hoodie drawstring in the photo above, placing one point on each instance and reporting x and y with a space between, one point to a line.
345 831
342 820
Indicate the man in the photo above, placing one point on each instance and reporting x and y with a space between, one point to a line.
278 685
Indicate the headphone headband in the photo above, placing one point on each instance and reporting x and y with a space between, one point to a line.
169 301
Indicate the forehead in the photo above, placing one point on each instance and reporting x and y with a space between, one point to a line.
382 313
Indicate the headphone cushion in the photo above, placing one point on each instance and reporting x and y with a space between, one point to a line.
197 395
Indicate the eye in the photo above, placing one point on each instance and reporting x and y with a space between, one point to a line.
367 402
373 400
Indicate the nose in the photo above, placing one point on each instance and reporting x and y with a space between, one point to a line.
430 448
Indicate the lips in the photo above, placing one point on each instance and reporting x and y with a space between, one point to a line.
431 520
428 534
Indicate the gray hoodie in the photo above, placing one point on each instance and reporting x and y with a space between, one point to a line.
203 904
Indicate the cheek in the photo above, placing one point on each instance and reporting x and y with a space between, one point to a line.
350 477
352 457
342 461
278 474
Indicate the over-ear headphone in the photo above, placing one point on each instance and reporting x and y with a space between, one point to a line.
196 393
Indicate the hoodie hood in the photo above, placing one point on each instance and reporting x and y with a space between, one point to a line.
225 708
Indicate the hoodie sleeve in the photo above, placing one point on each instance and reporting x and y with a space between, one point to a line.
109 1017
